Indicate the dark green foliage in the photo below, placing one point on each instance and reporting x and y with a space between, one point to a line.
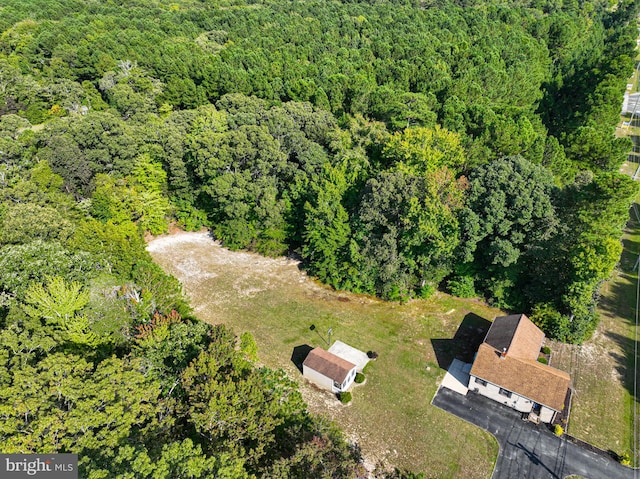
546 350
462 286
165 290
396 474
320 451
509 209
167 344
406 233
109 369
120 245
391 146
543 360
114 103
25 222
572 265
345 397
22 264
359 378
509 212
326 230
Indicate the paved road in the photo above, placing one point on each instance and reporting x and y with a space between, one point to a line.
526 450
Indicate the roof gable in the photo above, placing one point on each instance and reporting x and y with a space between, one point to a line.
531 379
328 364
517 335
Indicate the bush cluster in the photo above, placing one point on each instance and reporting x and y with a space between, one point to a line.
345 397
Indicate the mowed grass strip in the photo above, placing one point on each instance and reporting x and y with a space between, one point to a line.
390 416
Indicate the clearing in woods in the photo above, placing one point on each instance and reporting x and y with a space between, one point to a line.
390 416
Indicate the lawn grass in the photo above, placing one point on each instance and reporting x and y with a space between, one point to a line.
390 416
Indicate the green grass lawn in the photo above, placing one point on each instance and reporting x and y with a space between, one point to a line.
390 416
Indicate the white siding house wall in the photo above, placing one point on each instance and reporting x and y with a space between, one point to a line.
318 379
492 391
348 381
325 382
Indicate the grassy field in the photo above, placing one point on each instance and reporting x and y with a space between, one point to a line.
391 417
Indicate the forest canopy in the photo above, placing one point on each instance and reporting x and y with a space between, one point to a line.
398 147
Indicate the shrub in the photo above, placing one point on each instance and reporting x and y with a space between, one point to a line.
426 291
624 458
372 354
543 360
359 378
344 396
462 287
558 430
546 350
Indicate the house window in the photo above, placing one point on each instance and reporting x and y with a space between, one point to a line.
481 382
337 385
505 393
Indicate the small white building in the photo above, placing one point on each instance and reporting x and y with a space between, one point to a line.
506 369
328 371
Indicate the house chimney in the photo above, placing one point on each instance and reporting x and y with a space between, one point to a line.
503 354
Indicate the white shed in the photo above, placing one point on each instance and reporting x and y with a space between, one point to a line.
328 371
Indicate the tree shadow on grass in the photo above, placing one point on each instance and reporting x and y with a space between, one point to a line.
465 342
625 364
619 297
299 354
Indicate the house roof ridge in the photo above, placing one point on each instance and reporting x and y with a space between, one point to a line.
519 370
519 329
328 364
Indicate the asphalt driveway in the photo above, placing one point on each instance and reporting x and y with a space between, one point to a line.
528 450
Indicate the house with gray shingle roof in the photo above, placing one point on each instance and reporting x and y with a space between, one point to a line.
506 369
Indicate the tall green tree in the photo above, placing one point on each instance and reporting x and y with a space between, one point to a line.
509 210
